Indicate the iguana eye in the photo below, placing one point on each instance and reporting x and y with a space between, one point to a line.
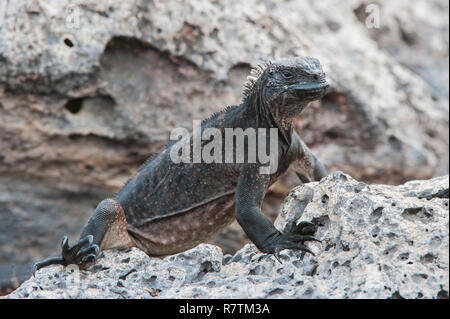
287 74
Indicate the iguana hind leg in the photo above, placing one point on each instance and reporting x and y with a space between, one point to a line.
105 229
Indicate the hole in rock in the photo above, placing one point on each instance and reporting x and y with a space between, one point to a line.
74 106
68 42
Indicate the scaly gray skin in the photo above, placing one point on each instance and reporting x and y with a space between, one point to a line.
167 207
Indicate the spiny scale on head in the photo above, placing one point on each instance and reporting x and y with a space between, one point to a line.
255 73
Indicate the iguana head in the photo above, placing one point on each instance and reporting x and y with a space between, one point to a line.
286 87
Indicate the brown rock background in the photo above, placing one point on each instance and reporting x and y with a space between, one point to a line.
90 89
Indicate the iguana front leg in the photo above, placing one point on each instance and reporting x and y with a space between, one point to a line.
307 166
249 194
105 229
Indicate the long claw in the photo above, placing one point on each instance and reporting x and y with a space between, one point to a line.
89 250
89 258
277 256
304 223
65 243
310 238
306 249
86 241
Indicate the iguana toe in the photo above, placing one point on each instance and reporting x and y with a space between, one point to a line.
89 259
47 262
308 238
305 249
305 228
83 242
91 250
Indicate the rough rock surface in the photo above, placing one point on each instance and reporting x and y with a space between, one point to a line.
90 88
378 242
414 39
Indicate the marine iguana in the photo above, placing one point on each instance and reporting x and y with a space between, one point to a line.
170 207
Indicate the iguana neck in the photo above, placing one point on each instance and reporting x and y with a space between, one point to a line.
269 116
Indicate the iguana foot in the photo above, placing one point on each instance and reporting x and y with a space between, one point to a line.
294 238
82 254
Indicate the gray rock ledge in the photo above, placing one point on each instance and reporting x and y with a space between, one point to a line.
378 241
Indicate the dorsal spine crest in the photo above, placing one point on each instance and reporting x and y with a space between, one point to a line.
255 74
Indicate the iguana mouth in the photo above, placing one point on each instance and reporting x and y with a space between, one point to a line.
313 90
312 87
